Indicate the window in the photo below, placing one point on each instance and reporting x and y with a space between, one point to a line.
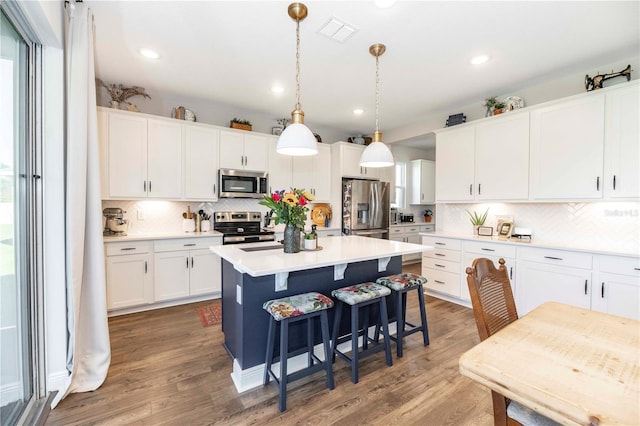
401 185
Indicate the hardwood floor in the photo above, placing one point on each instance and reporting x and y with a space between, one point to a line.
166 369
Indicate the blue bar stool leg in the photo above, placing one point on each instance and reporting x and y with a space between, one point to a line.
385 330
268 358
354 343
423 316
336 328
365 328
284 351
400 318
324 323
310 339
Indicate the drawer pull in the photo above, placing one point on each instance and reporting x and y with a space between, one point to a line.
439 282
190 245
440 244
127 248
636 269
439 266
440 254
487 249
553 258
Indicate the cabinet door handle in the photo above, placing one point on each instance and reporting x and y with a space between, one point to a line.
439 266
470 189
192 262
553 258
598 183
145 266
511 273
187 259
614 182
144 186
585 286
127 248
602 290
422 196
149 187
189 245
439 282
479 189
214 188
487 249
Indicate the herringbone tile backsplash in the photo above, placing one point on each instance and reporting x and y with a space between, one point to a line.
594 225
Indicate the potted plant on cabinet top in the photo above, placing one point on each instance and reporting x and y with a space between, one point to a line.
427 215
498 108
477 219
236 123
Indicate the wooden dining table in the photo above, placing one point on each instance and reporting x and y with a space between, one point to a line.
572 365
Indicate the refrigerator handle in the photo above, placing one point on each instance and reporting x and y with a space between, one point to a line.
376 202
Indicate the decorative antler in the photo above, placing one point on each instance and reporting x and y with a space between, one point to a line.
120 94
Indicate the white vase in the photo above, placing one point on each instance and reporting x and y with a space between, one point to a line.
310 244
115 104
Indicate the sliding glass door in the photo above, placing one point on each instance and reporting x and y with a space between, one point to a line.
16 355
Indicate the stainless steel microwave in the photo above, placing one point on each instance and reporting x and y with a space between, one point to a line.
242 184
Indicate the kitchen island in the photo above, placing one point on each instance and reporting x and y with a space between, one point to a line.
257 272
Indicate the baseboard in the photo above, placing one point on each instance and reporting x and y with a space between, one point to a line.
253 377
165 304
57 380
465 303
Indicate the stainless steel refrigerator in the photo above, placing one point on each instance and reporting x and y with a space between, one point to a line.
365 208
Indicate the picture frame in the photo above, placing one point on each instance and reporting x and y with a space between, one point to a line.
504 229
485 231
276 130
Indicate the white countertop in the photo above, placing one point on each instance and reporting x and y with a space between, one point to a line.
335 250
161 236
557 245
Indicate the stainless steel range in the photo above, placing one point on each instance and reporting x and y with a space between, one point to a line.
241 227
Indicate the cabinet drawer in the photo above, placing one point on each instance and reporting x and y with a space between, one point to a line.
427 228
396 231
482 248
441 281
133 247
441 265
186 243
441 242
411 229
556 257
619 265
443 254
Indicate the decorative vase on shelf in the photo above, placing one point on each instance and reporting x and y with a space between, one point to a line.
291 239
115 104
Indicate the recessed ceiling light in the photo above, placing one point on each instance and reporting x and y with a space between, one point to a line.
358 111
148 53
277 89
480 59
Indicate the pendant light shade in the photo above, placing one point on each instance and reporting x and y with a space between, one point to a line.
297 139
377 154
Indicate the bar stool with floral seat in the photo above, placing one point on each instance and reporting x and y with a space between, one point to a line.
401 284
285 311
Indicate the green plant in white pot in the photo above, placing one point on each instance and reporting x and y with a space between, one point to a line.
477 219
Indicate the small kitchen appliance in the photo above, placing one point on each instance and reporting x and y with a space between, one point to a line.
241 227
115 224
406 217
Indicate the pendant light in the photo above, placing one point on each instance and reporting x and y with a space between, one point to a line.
377 154
297 139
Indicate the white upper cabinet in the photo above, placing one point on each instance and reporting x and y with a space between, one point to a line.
349 160
502 158
242 150
423 173
164 159
201 163
126 156
455 164
279 168
622 142
567 149
313 173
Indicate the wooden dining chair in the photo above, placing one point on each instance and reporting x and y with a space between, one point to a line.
494 308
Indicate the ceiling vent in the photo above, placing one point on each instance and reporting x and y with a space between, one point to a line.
337 30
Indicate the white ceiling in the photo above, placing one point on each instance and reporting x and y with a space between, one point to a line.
232 52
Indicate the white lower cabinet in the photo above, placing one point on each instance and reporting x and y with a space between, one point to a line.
409 234
492 251
616 286
129 274
140 274
185 267
546 275
441 266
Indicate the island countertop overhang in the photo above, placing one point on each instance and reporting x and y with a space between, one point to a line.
335 250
